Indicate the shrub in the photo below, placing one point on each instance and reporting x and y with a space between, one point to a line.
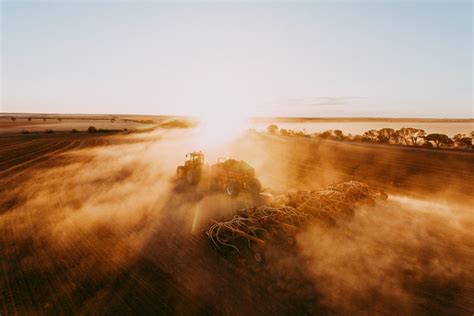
25 131
92 129
464 142
49 131
272 129
325 134
74 130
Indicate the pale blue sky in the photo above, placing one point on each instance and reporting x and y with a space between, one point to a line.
358 58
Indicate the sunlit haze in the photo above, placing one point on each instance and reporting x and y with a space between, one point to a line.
389 59
236 157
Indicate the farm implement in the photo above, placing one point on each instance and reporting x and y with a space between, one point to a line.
251 229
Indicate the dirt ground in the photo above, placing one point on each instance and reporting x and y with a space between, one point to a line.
39 123
96 224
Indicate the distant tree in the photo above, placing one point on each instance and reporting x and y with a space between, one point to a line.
112 120
92 129
409 135
301 134
439 139
348 137
458 137
370 136
272 129
464 142
397 138
384 135
331 134
326 134
284 132
60 119
44 119
13 118
29 119
49 131
74 130
417 135
404 135
338 135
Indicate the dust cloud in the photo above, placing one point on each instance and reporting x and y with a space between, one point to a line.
405 256
409 255
108 207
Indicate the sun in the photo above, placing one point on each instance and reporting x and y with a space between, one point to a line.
220 125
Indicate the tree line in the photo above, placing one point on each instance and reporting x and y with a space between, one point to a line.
407 136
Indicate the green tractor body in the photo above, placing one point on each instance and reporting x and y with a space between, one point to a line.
192 169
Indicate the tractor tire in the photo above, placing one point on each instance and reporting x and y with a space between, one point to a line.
180 171
232 189
193 177
254 186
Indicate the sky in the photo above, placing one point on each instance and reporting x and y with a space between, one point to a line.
314 59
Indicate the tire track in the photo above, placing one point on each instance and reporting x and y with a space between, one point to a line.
16 234
36 161
20 240
46 148
22 144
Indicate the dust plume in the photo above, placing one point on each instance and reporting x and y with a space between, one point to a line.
409 255
394 258
109 221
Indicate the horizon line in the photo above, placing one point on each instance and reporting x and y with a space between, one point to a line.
261 118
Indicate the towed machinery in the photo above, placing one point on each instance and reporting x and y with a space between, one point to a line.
276 222
227 175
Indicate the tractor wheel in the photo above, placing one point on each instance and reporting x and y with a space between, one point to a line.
254 186
232 189
180 172
193 177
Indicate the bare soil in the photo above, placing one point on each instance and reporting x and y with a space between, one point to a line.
60 254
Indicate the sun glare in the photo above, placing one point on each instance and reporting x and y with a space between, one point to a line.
220 126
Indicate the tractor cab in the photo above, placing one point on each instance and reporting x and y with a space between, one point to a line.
194 159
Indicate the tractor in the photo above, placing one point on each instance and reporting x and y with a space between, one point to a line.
192 169
229 176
